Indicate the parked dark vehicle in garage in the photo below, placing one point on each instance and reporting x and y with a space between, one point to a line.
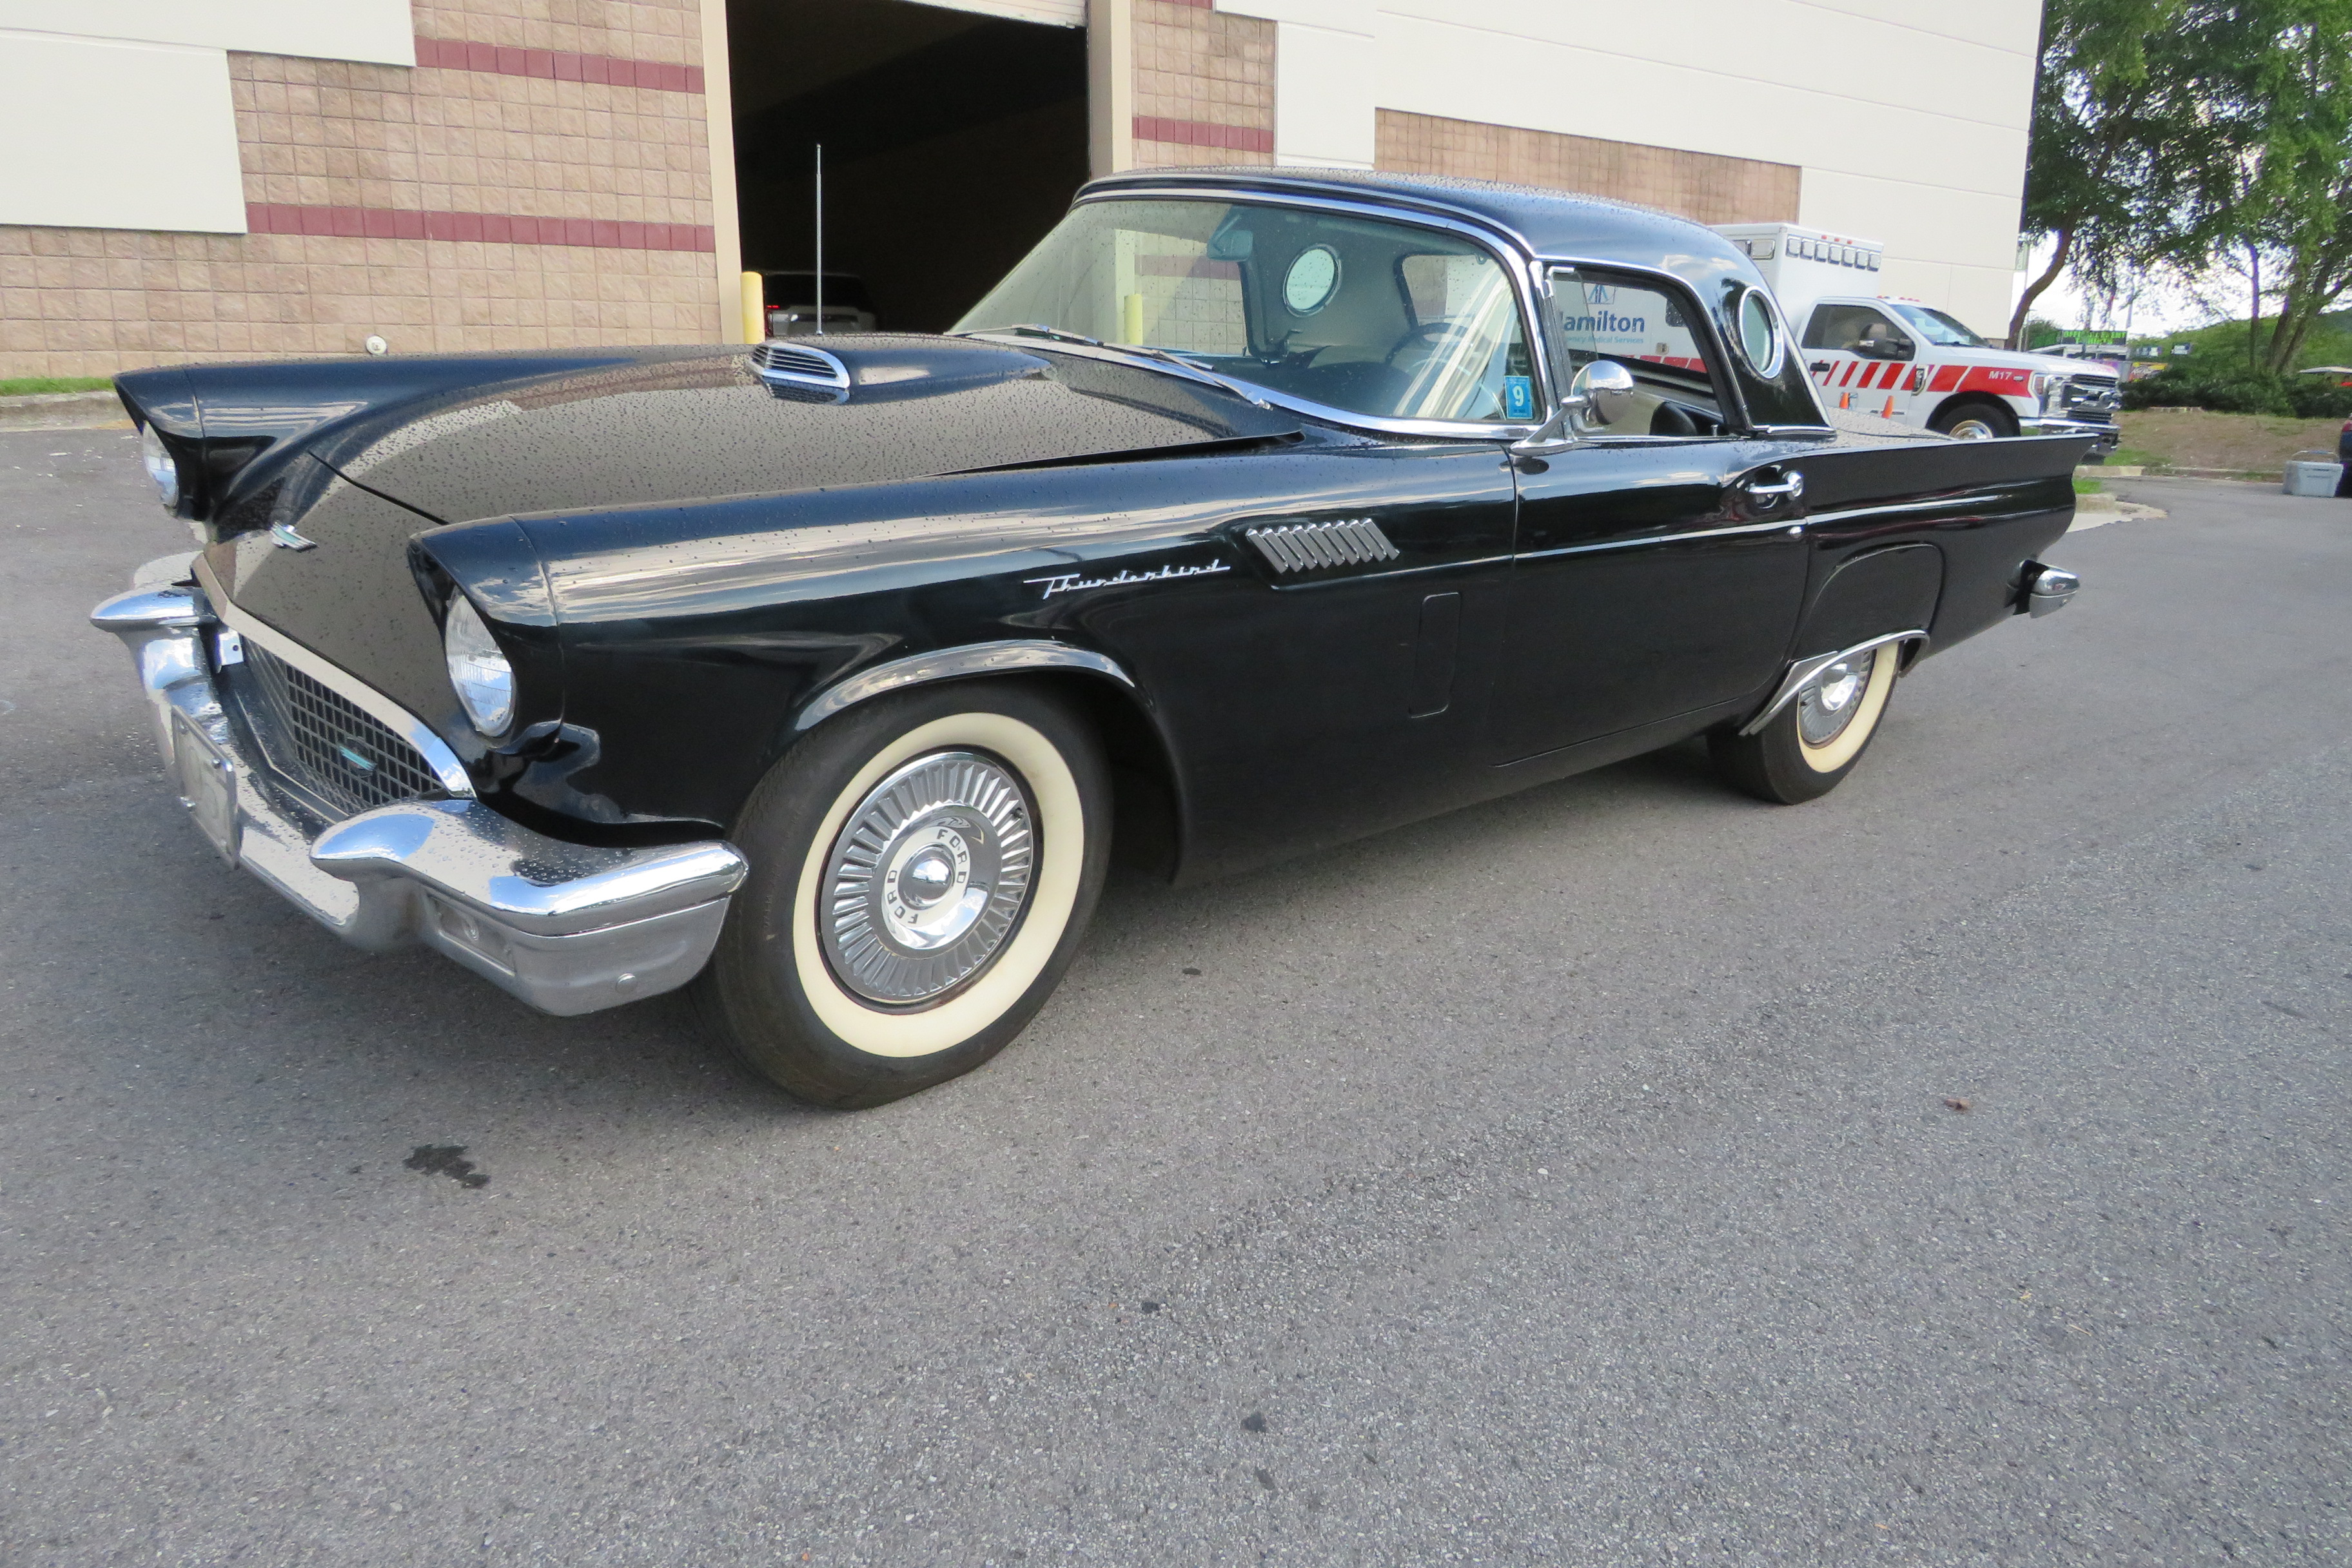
1253 512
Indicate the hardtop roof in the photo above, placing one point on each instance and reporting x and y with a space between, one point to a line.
1559 225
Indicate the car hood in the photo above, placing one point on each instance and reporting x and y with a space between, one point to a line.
321 472
680 424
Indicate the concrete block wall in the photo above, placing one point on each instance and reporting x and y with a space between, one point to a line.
1204 86
542 175
1707 186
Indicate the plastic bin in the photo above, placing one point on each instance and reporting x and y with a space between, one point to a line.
2313 474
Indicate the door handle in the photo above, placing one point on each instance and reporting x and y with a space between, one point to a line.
1771 493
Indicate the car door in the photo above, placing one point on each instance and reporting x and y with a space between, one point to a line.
1333 682
1863 359
1659 563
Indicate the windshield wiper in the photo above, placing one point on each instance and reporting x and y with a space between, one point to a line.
1168 357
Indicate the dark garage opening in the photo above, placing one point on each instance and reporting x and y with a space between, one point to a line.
953 141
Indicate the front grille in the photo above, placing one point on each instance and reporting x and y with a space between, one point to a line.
324 742
2092 397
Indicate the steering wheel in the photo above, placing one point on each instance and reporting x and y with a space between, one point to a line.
1426 334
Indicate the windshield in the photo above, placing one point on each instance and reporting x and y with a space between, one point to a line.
1939 328
1357 314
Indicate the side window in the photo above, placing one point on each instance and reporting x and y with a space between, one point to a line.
1650 329
1857 329
1462 342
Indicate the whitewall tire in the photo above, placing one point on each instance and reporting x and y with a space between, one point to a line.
1812 743
922 868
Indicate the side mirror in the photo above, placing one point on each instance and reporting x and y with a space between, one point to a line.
1597 395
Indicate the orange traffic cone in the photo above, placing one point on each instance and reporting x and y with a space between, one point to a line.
1845 400
1888 412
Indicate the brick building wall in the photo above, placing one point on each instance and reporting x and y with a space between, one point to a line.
1705 186
1203 85
536 179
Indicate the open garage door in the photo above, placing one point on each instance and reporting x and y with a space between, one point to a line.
953 138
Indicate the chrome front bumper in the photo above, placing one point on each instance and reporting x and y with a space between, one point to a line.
2109 437
568 928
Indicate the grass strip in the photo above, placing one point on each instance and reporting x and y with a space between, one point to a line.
36 385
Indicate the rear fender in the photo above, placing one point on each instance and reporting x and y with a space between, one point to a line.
1879 591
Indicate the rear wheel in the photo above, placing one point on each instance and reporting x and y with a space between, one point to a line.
922 870
1975 421
1810 746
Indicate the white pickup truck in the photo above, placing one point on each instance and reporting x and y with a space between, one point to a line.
1901 360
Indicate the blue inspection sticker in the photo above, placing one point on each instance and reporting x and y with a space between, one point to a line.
1518 397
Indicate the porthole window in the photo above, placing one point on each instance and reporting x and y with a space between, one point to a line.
1760 333
1313 279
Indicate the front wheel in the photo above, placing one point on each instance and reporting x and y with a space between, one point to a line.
922 868
1810 746
1975 422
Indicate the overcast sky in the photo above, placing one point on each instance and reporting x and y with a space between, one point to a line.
2161 307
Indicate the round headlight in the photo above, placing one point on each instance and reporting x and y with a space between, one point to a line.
161 466
483 678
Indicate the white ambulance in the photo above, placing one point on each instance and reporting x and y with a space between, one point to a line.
1901 360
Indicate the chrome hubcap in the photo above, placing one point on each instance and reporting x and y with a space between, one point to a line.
1827 704
929 877
1973 430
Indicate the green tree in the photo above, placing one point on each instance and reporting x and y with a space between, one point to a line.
2293 123
2197 134
2100 114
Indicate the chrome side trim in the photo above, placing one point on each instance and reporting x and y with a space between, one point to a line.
398 720
949 664
1303 546
1804 670
1782 526
1900 508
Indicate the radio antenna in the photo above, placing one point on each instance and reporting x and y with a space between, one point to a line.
820 239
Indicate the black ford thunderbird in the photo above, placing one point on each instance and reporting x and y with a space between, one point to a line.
1253 512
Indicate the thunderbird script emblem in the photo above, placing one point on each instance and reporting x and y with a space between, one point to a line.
1073 582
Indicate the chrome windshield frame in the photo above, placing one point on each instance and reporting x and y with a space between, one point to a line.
1518 264
1747 428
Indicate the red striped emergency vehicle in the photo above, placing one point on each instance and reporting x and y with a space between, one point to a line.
1902 359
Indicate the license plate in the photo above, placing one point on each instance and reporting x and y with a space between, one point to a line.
207 785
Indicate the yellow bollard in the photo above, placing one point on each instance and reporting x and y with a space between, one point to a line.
755 308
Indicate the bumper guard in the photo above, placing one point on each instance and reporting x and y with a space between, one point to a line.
568 928
2109 437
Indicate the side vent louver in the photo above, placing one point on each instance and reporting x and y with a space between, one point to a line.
793 365
1303 546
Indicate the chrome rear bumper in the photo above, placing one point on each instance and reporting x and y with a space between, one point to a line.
2108 435
568 928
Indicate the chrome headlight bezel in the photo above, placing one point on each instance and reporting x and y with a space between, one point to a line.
163 466
479 672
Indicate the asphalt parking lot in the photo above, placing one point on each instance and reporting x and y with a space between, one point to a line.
1573 1179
